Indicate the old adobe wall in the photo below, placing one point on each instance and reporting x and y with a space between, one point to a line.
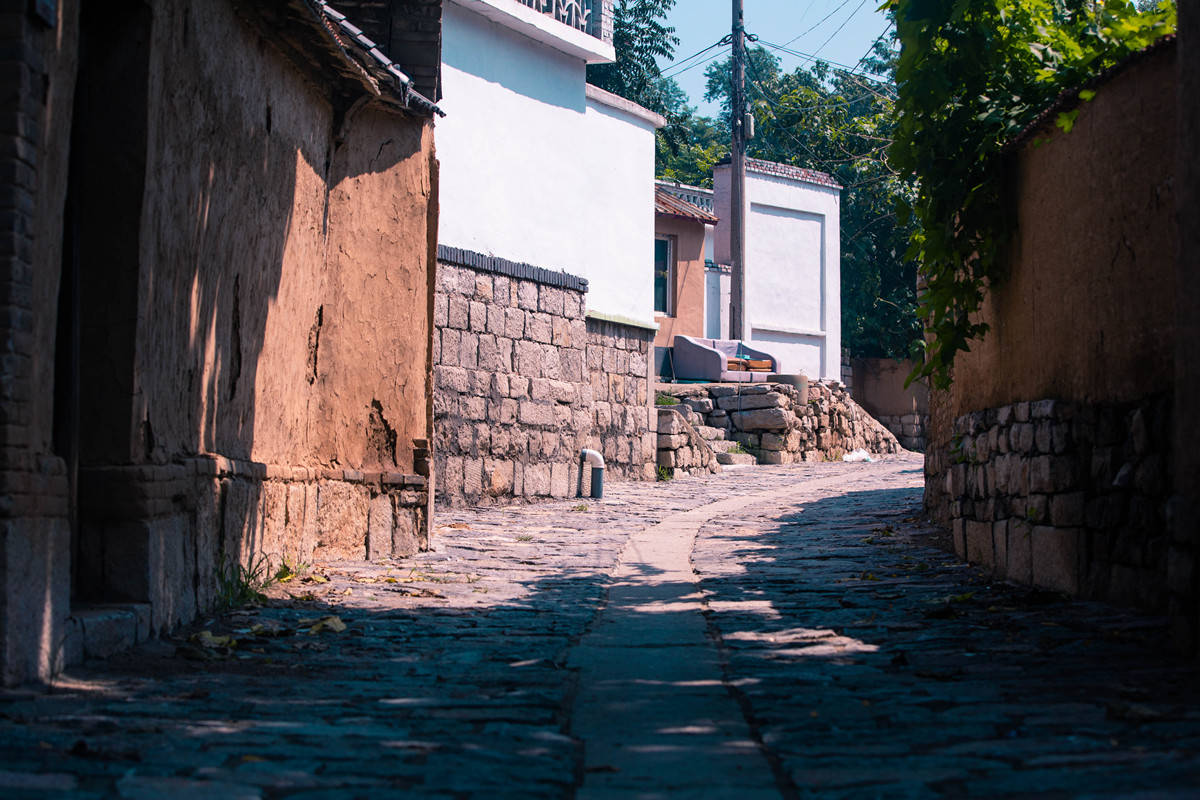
524 381
1050 456
227 345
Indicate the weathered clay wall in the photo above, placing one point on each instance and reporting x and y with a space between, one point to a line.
878 386
255 286
1087 311
523 382
687 302
1185 522
1050 456
37 78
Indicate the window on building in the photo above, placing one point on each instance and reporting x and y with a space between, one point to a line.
663 273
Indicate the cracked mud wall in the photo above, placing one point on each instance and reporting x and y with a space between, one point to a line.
255 262
1087 311
1051 454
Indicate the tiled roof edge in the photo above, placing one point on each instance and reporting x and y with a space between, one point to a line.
374 59
459 257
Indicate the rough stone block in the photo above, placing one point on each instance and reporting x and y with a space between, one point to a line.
773 441
1019 549
980 548
342 510
527 295
560 485
746 402
537 480
380 522
458 313
1049 474
1067 510
671 441
669 423
408 531
1056 558
763 419
959 533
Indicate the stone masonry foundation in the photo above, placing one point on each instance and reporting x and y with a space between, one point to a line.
524 380
1070 497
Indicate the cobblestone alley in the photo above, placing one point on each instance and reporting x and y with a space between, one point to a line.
781 631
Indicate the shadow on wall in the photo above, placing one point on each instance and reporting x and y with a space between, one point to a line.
236 249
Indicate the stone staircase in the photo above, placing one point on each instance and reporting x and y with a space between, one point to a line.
715 437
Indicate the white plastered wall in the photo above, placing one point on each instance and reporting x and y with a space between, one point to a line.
534 170
793 269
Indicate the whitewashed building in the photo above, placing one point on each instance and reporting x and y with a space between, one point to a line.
537 166
544 310
793 263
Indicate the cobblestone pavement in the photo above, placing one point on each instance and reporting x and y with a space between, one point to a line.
863 663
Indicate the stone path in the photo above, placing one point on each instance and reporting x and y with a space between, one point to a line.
814 643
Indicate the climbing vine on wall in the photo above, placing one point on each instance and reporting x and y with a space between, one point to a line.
972 74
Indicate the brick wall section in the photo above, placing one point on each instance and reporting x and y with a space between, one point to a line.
524 381
1066 496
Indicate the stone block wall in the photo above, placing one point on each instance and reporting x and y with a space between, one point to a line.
681 449
524 380
1067 496
620 362
909 429
158 534
781 425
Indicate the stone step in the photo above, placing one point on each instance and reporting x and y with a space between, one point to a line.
744 459
722 445
710 434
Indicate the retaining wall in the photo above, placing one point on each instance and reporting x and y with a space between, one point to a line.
524 380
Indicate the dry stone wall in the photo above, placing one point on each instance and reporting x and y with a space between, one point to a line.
780 424
1067 496
523 381
682 451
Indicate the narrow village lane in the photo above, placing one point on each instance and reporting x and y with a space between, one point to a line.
770 632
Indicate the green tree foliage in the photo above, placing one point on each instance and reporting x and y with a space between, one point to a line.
972 74
840 122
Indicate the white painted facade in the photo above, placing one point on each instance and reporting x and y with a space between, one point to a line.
793 264
539 167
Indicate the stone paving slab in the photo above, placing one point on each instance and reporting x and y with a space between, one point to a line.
863 663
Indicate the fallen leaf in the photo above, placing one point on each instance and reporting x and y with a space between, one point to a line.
330 623
206 639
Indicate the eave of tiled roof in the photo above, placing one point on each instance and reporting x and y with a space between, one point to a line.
669 205
369 55
324 46
795 173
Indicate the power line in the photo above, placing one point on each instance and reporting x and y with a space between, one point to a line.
839 28
819 24
714 56
679 63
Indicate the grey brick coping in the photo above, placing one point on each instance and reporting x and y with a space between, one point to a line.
459 257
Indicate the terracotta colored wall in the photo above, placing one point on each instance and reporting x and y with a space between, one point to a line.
879 388
284 320
688 319
1088 312
1185 533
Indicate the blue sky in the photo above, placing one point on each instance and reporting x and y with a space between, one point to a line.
836 30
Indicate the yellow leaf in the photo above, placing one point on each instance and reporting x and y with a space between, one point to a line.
330 623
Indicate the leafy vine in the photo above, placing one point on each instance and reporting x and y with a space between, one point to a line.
972 75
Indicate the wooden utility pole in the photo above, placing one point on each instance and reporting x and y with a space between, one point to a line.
737 194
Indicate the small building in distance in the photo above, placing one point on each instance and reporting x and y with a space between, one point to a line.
682 232
793 263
